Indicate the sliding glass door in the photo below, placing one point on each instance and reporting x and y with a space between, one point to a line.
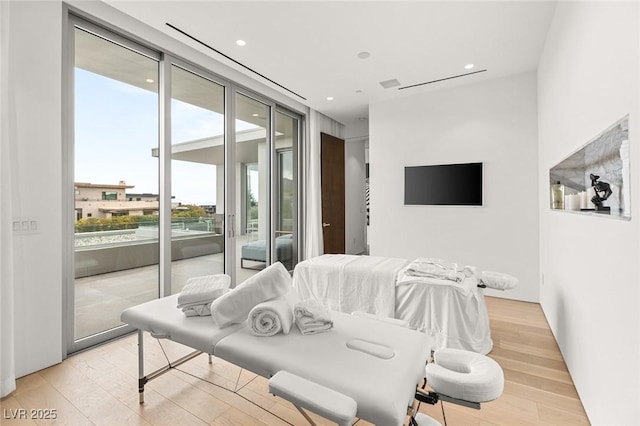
285 231
253 139
176 174
197 176
115 180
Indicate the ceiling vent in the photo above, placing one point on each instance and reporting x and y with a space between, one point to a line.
390 83
440 79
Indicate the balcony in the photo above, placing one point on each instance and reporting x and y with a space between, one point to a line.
118 269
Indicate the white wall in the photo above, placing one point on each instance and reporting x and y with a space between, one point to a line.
587 80
35 59
493 122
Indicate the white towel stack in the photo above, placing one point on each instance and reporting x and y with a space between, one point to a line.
312 317
439 269
199 292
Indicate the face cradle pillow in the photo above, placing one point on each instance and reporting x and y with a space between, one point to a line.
234 306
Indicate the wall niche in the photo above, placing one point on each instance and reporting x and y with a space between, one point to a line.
606 156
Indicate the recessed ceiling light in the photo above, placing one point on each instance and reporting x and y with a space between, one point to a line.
241 42
468 66
329 98
364 55
255 114
150 80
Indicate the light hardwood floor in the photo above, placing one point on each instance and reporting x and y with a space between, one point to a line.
99 386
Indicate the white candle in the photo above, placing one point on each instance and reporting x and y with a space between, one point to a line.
584 200
590 194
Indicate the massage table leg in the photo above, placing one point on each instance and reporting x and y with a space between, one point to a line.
141 378
144 379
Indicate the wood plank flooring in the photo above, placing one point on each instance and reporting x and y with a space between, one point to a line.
99 386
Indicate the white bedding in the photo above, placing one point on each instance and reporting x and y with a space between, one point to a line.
348 283
454 314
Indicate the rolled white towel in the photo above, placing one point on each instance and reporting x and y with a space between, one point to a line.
498 280
271 317
203 290
234 306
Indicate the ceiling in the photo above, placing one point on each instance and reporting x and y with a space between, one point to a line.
311 47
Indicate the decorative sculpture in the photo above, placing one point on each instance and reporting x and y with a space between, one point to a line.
602 192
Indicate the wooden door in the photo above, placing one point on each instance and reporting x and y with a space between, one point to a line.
333 193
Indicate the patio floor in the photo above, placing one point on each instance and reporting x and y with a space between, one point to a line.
100 299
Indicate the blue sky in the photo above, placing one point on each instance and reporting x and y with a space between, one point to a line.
116 128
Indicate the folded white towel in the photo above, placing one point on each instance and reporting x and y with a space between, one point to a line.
498 280
234 306
312 309
436 273
271 317
439 269
198 310
307 325
312 317
203 290
429 262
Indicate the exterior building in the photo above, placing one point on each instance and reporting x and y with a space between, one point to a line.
104 201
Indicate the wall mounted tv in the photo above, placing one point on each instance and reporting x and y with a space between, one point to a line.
443 185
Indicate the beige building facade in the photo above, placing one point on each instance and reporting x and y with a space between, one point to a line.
104 201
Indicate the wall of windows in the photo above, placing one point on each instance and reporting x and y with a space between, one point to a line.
176 172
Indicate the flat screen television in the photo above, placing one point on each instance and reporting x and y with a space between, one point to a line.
443 185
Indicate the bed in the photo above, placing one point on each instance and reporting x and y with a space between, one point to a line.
454 315
256 251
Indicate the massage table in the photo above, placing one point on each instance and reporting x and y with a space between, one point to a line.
454 315
365 364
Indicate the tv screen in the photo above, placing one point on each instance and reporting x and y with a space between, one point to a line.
443 185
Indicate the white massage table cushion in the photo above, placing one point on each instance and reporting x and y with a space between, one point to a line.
376 364
163 319
465 375
424 420
394 321
319 399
